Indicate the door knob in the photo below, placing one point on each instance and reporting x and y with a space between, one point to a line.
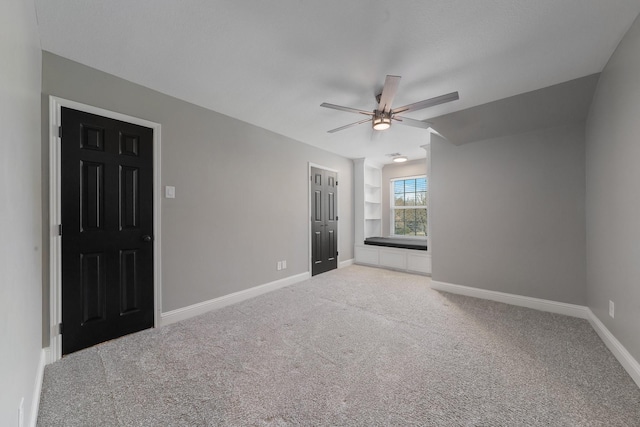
146 238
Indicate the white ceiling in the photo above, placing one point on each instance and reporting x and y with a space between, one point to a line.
272 63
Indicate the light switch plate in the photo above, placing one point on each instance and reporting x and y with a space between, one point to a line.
170 192
612 309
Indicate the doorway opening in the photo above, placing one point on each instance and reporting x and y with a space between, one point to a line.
126 216
323 204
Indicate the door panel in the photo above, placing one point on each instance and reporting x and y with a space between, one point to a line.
92 282
317 206
129 289
317 247
129 203
331 207
91 137
107 208
128 144
331 244
324 219
92 195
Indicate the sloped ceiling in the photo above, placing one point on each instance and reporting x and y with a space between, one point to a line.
561 104
272 63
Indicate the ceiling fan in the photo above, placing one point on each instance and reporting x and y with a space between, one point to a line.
382 116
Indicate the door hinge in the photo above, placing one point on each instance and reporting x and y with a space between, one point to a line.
337 253
60 328
59 131
336 217
60 230
336 183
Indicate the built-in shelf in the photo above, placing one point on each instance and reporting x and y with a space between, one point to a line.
372 196
372 201
368 223
368 199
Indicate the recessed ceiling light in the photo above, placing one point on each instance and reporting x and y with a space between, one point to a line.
400 159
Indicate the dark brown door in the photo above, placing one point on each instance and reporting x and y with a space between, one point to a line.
107 229
324 221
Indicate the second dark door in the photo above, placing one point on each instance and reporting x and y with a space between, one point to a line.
324 221
107 229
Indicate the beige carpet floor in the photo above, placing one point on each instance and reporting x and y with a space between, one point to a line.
353 347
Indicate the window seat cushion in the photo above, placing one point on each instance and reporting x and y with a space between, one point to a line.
394 242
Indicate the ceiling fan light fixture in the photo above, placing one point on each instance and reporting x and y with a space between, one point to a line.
381 117
400 159
381 122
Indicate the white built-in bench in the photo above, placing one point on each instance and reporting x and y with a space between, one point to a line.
397 254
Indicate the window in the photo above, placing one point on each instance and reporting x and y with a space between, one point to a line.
409 206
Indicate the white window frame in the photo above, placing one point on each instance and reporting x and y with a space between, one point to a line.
392 207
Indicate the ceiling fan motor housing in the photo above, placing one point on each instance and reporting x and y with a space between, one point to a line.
381 120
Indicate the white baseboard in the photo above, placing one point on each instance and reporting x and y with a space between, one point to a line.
521 301
37 389
225 300
346 263
627 361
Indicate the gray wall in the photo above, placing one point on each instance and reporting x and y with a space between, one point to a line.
613 194
508 213
397 170
20 265
241 191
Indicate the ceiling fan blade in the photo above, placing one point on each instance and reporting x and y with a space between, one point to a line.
453 96
349 125
411 122
347 109
389 91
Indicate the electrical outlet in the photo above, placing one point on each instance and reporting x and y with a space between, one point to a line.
612 309
284 264
21 413
279 265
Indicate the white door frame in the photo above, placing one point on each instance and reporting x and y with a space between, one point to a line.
55 240
309 217
427 149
